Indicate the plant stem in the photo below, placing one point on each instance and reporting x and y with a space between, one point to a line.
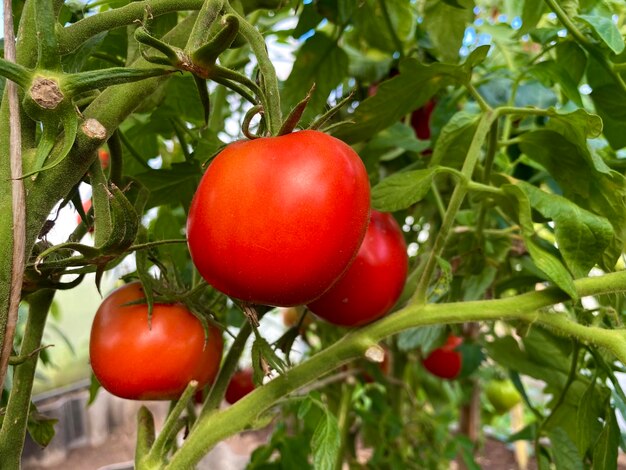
206 17
214 427
13 431
458 195
48 52
17 245
229 365
271 97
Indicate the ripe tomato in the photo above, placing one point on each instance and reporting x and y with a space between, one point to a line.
277 220
373 282
445 362
420 120
503 395
138 360
241 383
291 317
103 155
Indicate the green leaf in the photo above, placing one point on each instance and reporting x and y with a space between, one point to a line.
454 140
319 61
550 71
581 235
446 25
402 190
40 427
574 56
564 451
325 442
473 356
410 89
544 260
531 14
587 422
426 338
605 448
606 30
371 26
171 187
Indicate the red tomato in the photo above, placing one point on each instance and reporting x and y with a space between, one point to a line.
103 155
446 361
373 282
420 120
277 220
138 360
241 383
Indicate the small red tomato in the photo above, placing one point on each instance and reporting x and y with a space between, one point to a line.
103 155
277 220
141 359
446 361
241 383
420 120
373 282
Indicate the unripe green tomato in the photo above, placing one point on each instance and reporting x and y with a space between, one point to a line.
502 395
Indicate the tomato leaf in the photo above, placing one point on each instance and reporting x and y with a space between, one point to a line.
606 30
402 190
545 261
581 235
445 26
453 142
586 420
426 338
325 442
564 451
319 61
532 12
605 449
40 427
371 24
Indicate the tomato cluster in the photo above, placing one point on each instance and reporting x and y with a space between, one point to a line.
141 358
277 220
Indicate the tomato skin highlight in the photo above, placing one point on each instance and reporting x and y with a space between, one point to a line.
373 282
135 360
241 383
277 220
445 362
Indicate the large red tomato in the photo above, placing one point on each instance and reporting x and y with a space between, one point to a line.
141 360
373 282
446 361
277 220
241 383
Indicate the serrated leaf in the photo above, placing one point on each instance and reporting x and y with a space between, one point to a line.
550 71
402 190
325 442
40 427
446 25
605 448
171 186
544 260
606 30
587 422
564 451
319 61
454 140
531 14
410 89
581 235
426 338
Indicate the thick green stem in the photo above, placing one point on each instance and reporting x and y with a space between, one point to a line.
226 371
206 17
48 52
214 427
15 72
271 97
458 195
13 431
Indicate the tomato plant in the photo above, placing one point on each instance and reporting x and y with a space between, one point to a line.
241 383
283 217
502 395
445 362
373 282
150 358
